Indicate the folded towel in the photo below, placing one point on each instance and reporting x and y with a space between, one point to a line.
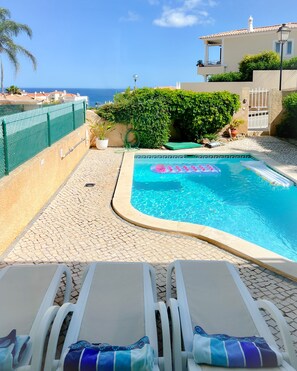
12 350
230 351
84 356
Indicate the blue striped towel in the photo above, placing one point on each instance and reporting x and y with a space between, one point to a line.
84 356
230 351
12 350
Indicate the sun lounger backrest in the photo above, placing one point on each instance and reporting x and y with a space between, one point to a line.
214 300
114 311
24 292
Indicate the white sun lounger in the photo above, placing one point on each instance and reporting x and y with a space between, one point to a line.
117 304
211 294
27 304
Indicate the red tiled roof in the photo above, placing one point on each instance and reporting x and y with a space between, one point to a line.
245 31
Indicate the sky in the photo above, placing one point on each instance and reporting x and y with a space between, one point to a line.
102 44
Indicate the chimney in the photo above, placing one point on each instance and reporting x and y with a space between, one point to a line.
251 27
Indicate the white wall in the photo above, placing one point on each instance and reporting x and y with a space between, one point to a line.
261 79
233 87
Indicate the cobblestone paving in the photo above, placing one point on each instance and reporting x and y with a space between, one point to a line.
79 226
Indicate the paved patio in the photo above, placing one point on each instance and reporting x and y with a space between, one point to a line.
79 226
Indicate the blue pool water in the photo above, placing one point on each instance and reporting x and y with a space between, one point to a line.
236 200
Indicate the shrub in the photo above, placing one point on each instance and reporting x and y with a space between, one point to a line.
149 115
199 114
288 127
226 77
290 64
152 112
262 61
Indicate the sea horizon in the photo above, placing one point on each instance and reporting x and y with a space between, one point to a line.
96 96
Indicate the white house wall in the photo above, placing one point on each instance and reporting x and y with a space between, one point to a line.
236 47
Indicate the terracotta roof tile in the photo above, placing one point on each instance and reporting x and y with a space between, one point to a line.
245 31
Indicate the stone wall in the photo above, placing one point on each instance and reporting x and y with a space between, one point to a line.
276 112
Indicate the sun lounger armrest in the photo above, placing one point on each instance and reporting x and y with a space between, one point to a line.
169 281
39 339
68 286
284 330
63 311
176 333
161 307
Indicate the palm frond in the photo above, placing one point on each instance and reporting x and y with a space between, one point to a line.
4 13
20 49
12 56
12 28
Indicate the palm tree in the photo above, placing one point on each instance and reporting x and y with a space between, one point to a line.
8 30
13 90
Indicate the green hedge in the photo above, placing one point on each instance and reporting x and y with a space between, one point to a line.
288 127
153 113
267 60
226 77
262 61
290 64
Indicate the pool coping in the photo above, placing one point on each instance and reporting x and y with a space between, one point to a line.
235 245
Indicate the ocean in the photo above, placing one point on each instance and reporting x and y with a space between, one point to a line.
96 96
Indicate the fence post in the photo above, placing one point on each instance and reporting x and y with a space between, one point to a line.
84 105
73 116
49 139
5 143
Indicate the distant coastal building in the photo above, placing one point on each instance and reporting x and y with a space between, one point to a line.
38 98
223 51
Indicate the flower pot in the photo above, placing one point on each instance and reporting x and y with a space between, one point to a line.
233 133
101 143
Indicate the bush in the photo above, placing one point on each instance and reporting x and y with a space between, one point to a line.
262 61
290 64
288 127
149 115
226 77
152 112
198 114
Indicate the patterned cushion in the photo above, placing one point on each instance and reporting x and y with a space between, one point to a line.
84 356
230 351
12 350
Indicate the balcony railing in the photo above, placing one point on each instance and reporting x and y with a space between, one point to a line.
209 63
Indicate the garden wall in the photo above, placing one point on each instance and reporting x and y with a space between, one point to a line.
261 79
29 187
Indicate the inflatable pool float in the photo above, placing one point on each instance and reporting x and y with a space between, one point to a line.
266 173
185 168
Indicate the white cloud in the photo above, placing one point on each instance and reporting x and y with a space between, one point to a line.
175 18
191 4
189 13
130 17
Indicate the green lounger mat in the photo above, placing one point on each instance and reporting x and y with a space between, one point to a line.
181 145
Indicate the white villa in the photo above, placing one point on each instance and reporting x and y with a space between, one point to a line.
223 51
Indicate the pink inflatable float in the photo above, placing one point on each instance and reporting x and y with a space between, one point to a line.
188 168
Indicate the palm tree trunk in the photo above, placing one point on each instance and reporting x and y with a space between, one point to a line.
2 78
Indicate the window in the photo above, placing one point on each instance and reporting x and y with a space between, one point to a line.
288 47
277 47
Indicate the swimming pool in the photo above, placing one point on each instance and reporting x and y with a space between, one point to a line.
233 200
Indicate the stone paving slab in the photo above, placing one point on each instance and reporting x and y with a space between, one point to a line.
79 226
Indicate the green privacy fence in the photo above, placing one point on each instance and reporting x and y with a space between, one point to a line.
23 135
